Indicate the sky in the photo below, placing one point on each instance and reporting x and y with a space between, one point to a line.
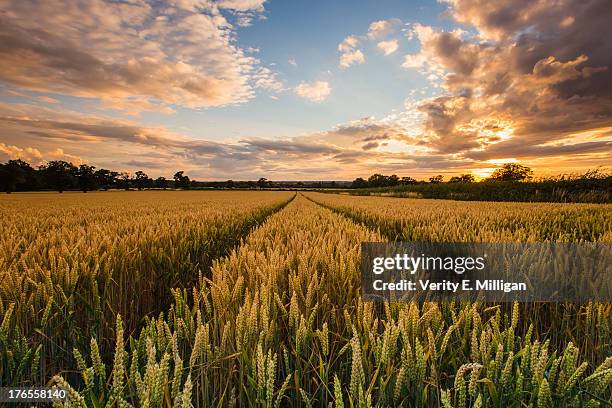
307 90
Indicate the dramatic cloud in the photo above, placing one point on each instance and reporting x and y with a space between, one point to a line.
533 80
349 53
508 80
182 52
388 47
347 151
316 91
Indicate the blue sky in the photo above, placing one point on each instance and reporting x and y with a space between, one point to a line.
308 33
307 90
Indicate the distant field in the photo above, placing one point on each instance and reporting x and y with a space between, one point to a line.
253 298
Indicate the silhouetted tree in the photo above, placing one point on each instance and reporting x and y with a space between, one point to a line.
105 178
161 182
59 175
464 178
86 178
18 175
263 183
181 181
408 180
511 172
359 183
9 178
141 180
379 180
436 179
125 180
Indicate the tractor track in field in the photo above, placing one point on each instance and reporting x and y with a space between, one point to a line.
352 217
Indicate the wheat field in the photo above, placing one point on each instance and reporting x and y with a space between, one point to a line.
164 299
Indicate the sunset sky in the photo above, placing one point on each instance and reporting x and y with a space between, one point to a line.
307 90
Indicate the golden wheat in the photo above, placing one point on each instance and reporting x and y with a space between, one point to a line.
280 320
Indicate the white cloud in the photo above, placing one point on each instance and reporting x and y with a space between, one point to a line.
348 44
316 91
242 5
351 58
265 78
350 55
174 52
383 28
388 47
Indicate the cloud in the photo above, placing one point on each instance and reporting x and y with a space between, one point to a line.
173 53
388 47
353 149
11 152
242 5
351 58
530 81
348 44
367 129
370 145
350 54
316 91
524 82
348 150
265 78
34 156
383 28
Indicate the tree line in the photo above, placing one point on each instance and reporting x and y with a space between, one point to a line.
512 172
59 175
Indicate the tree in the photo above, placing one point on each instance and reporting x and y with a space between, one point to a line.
359 183
161 182
141 180
181 181
125 180
59 175
8 178
436 179
86 177
106 179
512 172
464 178
31 178
17 175
263 182
376 180
408 180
